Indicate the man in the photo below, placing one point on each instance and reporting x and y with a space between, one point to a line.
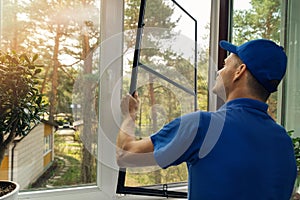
238 152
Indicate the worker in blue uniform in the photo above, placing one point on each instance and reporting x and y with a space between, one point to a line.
237 152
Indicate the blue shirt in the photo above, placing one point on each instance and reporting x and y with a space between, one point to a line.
238 152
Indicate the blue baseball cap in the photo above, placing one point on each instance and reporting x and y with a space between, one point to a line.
265 60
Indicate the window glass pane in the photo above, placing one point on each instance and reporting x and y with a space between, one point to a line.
47 143
160 103
65 34
168 43
292 89
253 19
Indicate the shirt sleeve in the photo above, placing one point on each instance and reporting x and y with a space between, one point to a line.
173 143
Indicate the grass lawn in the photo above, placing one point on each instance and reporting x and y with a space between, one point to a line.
66 167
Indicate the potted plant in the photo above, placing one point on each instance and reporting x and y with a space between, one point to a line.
21 103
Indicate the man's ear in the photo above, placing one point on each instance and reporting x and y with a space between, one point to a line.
239 72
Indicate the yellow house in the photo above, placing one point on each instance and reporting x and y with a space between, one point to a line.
33 153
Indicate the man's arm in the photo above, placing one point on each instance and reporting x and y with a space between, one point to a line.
132 152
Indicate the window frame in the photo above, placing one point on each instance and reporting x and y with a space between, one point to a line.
220 23
160 190
47 144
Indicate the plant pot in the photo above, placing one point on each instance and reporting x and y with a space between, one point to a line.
10 186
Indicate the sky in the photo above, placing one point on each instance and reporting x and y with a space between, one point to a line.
200 10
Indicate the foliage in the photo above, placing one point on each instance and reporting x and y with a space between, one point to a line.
296 143
21 103
157 15
262 21
13 30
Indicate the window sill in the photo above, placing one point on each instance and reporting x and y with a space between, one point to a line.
133 197
88 192
79 193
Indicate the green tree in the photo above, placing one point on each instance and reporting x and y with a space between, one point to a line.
13 26
49 18
262 20
56 31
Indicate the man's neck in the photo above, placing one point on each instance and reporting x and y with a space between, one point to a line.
242 93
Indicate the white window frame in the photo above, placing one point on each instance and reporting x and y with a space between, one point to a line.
213 53
47 144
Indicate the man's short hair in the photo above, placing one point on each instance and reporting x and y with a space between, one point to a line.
257 89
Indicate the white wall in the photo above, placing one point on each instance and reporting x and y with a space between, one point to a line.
28 157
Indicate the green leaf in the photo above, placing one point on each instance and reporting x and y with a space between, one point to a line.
25 57
37 71
31 67
39 100
35 57
8 57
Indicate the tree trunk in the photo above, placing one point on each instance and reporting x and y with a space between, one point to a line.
15 28
53 98
157 174
87 134
6 142
2 153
